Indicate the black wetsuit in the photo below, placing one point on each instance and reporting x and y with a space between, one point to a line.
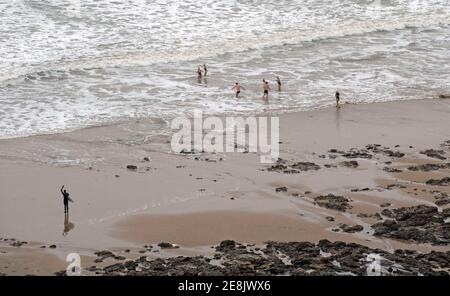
66 201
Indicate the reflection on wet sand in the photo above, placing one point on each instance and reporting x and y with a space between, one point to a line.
68 226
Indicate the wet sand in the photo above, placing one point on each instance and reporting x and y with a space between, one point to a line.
200 200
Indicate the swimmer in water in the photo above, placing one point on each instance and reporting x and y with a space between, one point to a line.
279 83
237 88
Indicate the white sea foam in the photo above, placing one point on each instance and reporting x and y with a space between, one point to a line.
67 64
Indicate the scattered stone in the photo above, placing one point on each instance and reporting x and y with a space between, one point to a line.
357 154
446 212
392 186
434 153
391 170
330 218
284 258
118 267
165 245
351 228
442 202
349 164
439 182
420 224
18 244
226 245
358 190
184 151
306 166
146 159
132 167
281 189
395 154
385 204
52 246
282 166
429 167
334 202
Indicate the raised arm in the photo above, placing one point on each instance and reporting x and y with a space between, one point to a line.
62 189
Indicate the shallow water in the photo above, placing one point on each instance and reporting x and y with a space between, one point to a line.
66 64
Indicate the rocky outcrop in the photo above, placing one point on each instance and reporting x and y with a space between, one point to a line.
351 228
285 258
334 202
439 154
283 166
429 167
439 182
419 224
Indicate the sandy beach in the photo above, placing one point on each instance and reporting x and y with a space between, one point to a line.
199 200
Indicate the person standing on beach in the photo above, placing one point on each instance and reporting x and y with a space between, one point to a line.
279 83
237 88
66 199
337 95
266 89
205 69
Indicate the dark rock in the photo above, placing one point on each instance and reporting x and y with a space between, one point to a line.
334 202
226 245
349 164
165 245
187 151
439 182
52 246
429 167
434 153
446 213
395 154
391 170
420 224
306 166
282 166
392 186
442 202
132 167
358 190
351 228
281 189
17 244
115 268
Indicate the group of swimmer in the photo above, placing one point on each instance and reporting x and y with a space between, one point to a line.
237 87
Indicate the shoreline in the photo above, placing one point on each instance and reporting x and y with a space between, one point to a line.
200 200
278 112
